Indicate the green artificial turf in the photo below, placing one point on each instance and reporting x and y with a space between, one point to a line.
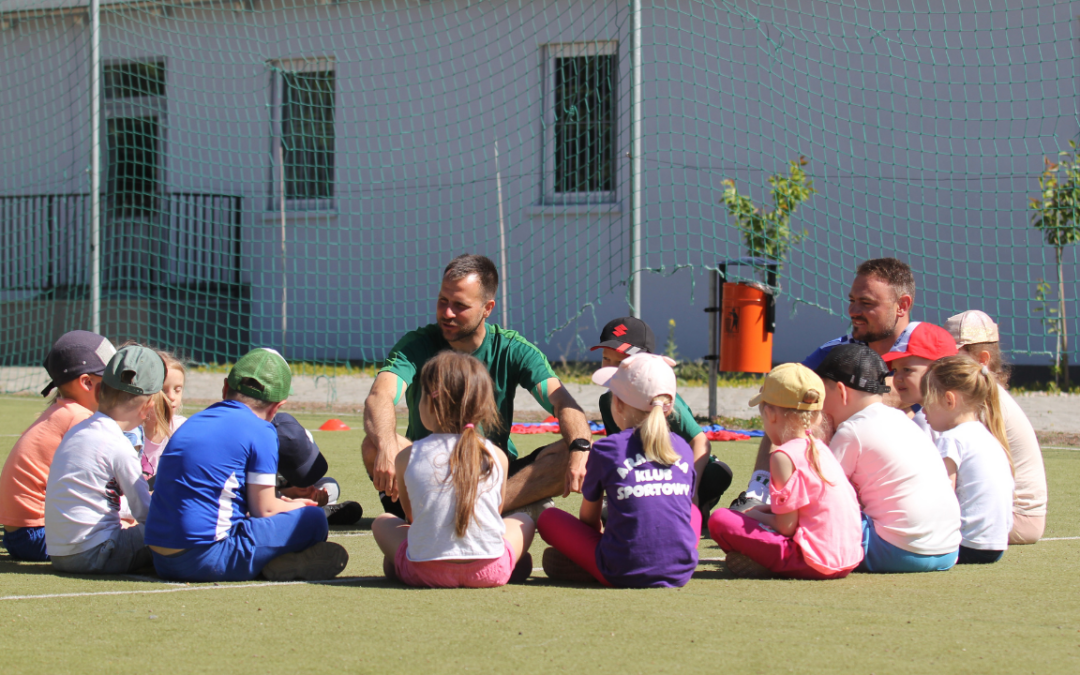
1020 615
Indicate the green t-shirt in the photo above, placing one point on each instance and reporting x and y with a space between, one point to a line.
681 419
510 359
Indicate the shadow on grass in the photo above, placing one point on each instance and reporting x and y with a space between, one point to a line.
362 525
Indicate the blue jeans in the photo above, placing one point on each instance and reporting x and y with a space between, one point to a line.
251 544
881 556
122 553
26 543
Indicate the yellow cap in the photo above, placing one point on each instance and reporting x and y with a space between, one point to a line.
790 386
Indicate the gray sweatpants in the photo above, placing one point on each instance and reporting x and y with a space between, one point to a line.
123 553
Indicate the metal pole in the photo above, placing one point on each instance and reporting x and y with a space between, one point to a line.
95 166
714 348
502 241
635 162
284 259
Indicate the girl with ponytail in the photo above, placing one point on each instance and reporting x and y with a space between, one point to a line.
962 404
453 489
812 528
647 473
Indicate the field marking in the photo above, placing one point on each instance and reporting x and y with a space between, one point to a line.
1059 539
185 588
348 534
1060 447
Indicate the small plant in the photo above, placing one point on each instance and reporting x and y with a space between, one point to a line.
1057 216
670 349
769 234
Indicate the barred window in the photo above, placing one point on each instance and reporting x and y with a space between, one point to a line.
134 106
306 132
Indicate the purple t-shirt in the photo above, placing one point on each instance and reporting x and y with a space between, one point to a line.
648 540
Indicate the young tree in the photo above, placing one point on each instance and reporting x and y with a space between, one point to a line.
769 234
1057 216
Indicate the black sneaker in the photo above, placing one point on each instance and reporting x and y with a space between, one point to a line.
345 513
322 561
391 507
742 503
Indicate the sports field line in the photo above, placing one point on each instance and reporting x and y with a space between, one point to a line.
184 589
334 535
1059 447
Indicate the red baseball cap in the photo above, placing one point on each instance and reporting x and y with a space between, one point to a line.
927 341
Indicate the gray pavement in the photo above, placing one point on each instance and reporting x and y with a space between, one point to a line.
1048 412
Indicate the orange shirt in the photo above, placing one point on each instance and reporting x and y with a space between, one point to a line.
26 471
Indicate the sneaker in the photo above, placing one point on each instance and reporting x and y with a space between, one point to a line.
391 507
561 568
742 503
743 567
522 570
535 509
322 561
345 513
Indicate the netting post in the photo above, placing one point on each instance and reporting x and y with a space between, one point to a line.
635 161
502 241
95 166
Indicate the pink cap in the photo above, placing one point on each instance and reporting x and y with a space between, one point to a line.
639 379
972 327
927 341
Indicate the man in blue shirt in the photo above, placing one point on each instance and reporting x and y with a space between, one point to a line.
214 515
879 306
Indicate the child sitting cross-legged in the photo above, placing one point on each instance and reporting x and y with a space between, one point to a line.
960 398
452 490
647 472
812 528
95 466
74 364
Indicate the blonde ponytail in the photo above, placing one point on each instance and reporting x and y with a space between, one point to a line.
656 435
990 415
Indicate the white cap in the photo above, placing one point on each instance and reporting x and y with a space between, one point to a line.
639 379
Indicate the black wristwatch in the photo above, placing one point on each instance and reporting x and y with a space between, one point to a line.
580 445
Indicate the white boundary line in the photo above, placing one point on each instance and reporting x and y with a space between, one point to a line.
334 535
1060 539
1059 447
180 590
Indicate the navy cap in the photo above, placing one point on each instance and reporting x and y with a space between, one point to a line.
76 353
299 459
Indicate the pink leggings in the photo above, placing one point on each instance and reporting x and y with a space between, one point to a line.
734 532
578 541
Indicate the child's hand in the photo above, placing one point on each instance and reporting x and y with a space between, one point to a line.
305 502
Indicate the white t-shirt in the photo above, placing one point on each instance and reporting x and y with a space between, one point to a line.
920 421
984 485
900 480
93 466
434 505
1030 497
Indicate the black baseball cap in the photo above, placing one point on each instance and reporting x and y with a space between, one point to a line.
628 335
857 367
76 353
299 459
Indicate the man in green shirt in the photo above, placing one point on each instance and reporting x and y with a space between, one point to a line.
466 299
626 336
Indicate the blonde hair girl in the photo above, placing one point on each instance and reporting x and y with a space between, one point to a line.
452 489
813 527
165 418
962 404
647 473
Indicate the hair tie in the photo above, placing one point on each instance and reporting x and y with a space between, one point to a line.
470 426
986 371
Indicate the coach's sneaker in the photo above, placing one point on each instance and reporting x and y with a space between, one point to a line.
345 513
743 567
534 509
561 568
743 503
322 561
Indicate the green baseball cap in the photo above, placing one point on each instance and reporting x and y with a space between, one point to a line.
270 372
135 370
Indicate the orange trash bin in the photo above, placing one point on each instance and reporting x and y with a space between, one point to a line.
745 342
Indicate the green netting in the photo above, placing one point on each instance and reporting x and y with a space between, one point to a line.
403 133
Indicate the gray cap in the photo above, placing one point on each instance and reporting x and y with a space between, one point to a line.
135 370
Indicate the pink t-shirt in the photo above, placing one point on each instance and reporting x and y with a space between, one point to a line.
26 471
151 451
830 526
